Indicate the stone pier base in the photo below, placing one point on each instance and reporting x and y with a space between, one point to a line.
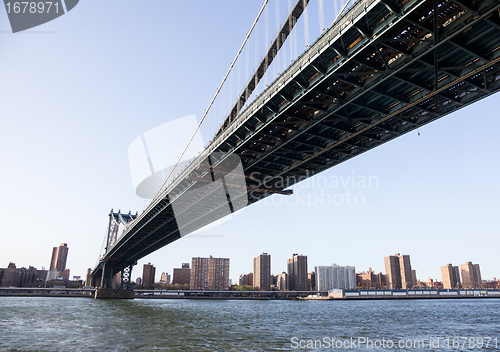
101 293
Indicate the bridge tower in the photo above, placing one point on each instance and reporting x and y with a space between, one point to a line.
106 283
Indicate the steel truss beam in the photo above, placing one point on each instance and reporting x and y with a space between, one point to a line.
372 96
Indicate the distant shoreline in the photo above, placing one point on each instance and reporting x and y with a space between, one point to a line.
338 295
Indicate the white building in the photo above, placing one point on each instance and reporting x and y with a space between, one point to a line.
281 281
335 277
165 278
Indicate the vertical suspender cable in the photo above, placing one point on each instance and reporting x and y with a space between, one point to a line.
210 123
213 99
218 112
342 10
283 37
306 23
436 54
274 66
247 70
266 39
228 102
321 11
295 38
256 59
290 34
238 85
231 77
278 37
223 106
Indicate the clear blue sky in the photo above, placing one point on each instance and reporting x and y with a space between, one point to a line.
76 91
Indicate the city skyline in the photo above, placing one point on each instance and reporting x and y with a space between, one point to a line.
209 273
182 275
326 278
425 195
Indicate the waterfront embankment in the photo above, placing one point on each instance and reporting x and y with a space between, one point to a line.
264 295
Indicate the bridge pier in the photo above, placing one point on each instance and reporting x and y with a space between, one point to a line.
95 281
106 290
104 293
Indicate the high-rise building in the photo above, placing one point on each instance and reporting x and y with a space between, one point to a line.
297 273
148 276
210 274
165 278
451 276
456 276
199 274
406 271
399 272
448 279
59 258
88 278
467 272
392 272
262 272
471 275
281 282
311 281
335 277
218 274
477 275
182 276
246 279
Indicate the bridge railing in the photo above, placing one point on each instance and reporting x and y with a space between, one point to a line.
320 44
344 21
323 41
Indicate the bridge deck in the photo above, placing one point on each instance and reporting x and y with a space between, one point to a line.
379 72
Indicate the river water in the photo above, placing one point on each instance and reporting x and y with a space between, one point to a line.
84 324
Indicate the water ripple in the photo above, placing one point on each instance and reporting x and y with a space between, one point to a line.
83 324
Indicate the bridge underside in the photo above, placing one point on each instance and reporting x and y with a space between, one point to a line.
387 68
386 75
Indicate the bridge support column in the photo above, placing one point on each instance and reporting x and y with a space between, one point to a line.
107 292
95 281
107 275
101 293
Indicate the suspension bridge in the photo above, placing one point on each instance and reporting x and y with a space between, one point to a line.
382 69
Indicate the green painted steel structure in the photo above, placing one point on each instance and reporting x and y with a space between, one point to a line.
382 70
